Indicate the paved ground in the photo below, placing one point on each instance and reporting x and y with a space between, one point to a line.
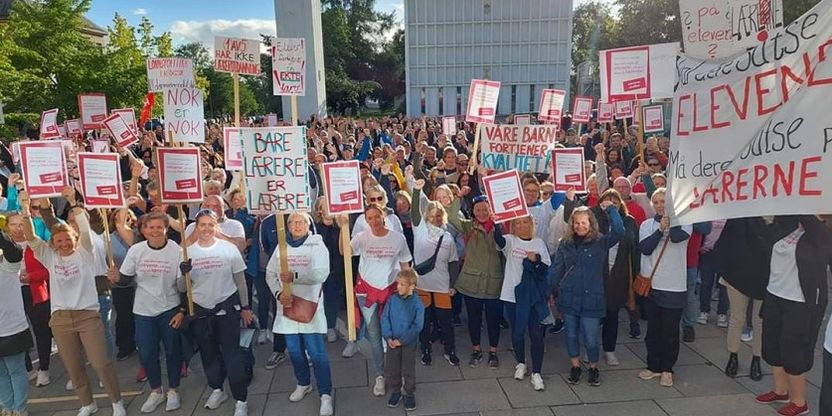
700 387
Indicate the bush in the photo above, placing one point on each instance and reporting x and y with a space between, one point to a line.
17 124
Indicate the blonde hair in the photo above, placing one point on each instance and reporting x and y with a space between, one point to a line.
435 205
593 233
63 228
531 228
379 190
409 276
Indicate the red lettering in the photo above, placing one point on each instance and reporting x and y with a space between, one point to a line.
785 181
744 112
787 74
762 92
714 107
805 174
697 127
810 71
727 178
760 175
741 184
695 204
680 115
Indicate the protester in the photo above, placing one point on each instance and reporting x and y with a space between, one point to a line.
401 322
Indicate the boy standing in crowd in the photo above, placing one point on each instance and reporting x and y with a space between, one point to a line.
401 323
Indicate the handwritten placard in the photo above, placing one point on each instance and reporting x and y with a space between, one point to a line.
275 168
184 114
168 73
237 56
289 66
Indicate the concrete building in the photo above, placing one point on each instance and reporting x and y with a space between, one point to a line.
302 19
525 44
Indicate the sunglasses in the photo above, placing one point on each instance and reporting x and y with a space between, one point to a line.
376 199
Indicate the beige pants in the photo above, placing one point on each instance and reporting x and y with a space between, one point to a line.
739 305
73 330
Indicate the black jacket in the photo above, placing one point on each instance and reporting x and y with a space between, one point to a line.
743 256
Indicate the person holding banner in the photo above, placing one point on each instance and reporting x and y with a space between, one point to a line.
334 285
300 317
15 338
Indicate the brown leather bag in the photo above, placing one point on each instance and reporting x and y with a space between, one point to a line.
642 284
301 310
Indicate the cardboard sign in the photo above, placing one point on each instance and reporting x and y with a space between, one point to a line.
93 108
551 105
100 175
49 125
713 29
623 109
233 148
62 130
582 112
237 56
606 112
482 101
271 120
342 182
638 72
289 66
129 116
180 175
505 195
568 169
522 119
44 168
449 126
167 73
73 127
120 131
276 168
767 153
100 146
510 146
653 117
184 115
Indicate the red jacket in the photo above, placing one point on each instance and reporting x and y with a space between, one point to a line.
38 277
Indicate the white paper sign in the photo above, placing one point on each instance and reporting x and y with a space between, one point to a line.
653 117
522 119
44 167
289 66
482 101
237 56
271 120
49 125
73 127
568 169
276 169
184 115
167 73
638 72
623 109
449 126
100 176
582 113
342 181
606 112
120 131
505 195
233 148
713 29
93 108
100 146
129 116
551 105
180 174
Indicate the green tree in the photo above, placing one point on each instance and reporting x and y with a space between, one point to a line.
792 9
646 22
146 37
593 29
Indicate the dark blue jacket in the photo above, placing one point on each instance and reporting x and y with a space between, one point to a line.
531 296
577 272
402 318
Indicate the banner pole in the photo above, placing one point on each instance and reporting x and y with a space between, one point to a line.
181 214
640 132
348 281
236 78
472 162
103 213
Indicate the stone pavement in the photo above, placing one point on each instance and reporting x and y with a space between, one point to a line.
700 386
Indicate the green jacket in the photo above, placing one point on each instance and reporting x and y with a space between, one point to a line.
482 272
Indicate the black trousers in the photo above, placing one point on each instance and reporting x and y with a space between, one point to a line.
662 339
218 338
39 317
400 369
493 313
125 321
826 385
441 317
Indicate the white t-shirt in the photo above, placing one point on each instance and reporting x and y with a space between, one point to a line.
425 239
100 254
71 278
156 274
783 281
12 315
392 221
542 215
380 256
212 275
515 251
671 275
230 227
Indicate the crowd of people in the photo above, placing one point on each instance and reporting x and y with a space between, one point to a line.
426 248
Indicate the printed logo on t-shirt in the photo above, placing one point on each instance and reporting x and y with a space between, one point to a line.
383 252
154 267
516 252
67 271
207 264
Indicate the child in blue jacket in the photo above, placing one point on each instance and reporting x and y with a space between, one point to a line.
401 323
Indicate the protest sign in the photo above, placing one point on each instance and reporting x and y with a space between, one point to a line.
184 117
49 124
342 181
275 167
505 195
623 109
73 127
582 112
233 149
638 72
167 73
289 66
129 116
551 105
449 126
605 112
44 167
525 148
713 29
482 101
750 135
237 56
568 169
93 109
100 176
653 116
522 119
271 120
62 130
100 146
120 131
180 175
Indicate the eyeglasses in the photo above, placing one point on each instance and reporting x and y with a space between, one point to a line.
375 199
653 164
547 193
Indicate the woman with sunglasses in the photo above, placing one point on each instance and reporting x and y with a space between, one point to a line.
375 195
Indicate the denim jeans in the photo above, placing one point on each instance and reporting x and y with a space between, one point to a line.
14 382
518 336
333 298
692 308
105 308
150 330
707 275
315 346
372 324
588 327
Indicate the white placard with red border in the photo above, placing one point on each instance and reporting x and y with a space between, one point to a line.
49 125
233 148
44 168
482 101
342 181
551 105
638 72
568 169
73 127
129 116
180 174
623 109
121 133
236 55
582 112
449 126
653 116
505 195
100 175
606 111
100 146
93 108
522 119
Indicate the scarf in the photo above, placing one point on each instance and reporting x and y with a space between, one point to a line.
295 243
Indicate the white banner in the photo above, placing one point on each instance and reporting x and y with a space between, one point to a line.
237 56
289 66
342 181
184 115
167 73
233 148
449 126
275 167
750 135
713 29
638 72
522 147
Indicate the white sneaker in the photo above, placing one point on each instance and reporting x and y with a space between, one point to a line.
326 405
703 318
299 393
537 382
350 350
241 408
33 375
262 338
118 409
612 360
42 379
747 335
331 335
378 387
519 371
100 384
69 386
88 409
722 321
153 401
173 402
215 399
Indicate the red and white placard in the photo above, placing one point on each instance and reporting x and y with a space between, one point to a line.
505 195
49 125
449 126
606 112
233 148
73 127
482 101
342 181
568 169
582 111
623 109
653 116
93 108
522 119
129 116
120 131
100 175
43 165
100 146
551 105
180 174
